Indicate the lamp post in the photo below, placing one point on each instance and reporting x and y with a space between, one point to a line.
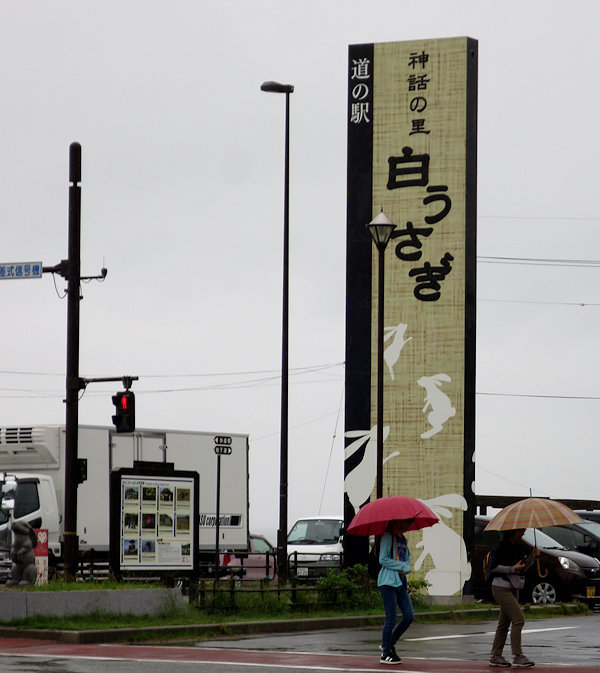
287 89
381 229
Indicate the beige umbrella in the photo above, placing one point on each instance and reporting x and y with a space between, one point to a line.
533 513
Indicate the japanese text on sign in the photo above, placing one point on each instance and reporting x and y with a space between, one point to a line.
17 270
412 170
360 75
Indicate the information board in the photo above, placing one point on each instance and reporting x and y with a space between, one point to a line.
154 519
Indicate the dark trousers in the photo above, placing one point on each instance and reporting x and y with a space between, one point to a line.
511 616
394 598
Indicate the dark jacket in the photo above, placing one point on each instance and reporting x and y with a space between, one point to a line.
504 557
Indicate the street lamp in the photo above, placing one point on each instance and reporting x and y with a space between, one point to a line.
287 89
381 229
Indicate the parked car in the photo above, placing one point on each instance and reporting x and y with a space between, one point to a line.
589 514
583 537
563 574
257 564
314 546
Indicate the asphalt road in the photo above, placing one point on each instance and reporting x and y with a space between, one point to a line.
567 645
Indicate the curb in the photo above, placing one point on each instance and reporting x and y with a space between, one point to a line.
215 629
224 629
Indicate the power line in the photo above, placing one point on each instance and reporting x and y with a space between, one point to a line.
259 381
538 261
481 468
293 370
557 218
536 301
550 397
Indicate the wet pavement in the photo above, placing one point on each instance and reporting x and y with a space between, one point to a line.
568 645
558 641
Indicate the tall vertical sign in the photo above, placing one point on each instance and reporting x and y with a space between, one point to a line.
412 114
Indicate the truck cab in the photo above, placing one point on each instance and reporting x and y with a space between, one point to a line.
34 502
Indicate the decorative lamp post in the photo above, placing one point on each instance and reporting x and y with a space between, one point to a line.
287 89
381 229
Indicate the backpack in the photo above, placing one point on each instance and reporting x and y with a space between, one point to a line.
487 565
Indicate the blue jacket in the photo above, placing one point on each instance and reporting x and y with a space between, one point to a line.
393 571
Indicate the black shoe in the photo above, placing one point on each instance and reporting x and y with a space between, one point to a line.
390 658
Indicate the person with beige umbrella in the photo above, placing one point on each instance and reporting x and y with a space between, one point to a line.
509 561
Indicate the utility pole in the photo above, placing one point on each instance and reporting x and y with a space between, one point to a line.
70 270
73 383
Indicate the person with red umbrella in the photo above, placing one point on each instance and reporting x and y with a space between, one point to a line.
391 517
394 558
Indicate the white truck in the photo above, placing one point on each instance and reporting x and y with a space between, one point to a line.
36 457
314 546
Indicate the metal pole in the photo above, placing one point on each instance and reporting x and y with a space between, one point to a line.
380 321
217 563
277 87
283 477
71 540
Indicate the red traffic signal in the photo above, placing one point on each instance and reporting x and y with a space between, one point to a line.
124 418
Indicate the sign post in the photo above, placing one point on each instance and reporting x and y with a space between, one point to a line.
40 551
222 448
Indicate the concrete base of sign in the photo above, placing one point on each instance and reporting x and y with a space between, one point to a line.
18 604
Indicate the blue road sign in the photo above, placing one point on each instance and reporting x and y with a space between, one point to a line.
20 270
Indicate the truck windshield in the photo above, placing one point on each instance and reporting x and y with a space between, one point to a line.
315 531
27 499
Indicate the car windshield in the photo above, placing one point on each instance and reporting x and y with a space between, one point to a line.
315 531
541 540
591 527
261 546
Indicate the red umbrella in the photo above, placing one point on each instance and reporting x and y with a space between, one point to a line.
374 517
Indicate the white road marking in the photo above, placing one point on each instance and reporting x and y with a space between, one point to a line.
487 633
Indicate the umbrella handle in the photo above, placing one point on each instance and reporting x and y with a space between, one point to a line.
545 574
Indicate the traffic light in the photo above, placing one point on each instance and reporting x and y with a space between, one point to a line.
124 418
81 470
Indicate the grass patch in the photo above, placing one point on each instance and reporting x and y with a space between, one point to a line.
193 616
90 585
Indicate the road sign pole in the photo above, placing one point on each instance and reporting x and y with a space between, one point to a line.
222 448
217 563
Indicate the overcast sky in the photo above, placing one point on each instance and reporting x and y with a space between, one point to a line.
182 202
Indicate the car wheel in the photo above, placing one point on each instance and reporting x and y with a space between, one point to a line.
543 591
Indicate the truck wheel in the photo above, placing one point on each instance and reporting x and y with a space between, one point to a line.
543 591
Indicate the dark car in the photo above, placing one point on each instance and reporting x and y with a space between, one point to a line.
589 514
562 574
583 537
257 564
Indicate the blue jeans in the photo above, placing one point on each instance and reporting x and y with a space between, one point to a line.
393 598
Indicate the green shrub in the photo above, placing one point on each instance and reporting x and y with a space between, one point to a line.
416 587
241 602
349 587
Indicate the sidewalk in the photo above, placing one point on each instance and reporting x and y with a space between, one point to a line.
217 629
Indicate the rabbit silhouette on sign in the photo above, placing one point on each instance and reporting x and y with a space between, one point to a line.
392 352
360 481
446 548
441 407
